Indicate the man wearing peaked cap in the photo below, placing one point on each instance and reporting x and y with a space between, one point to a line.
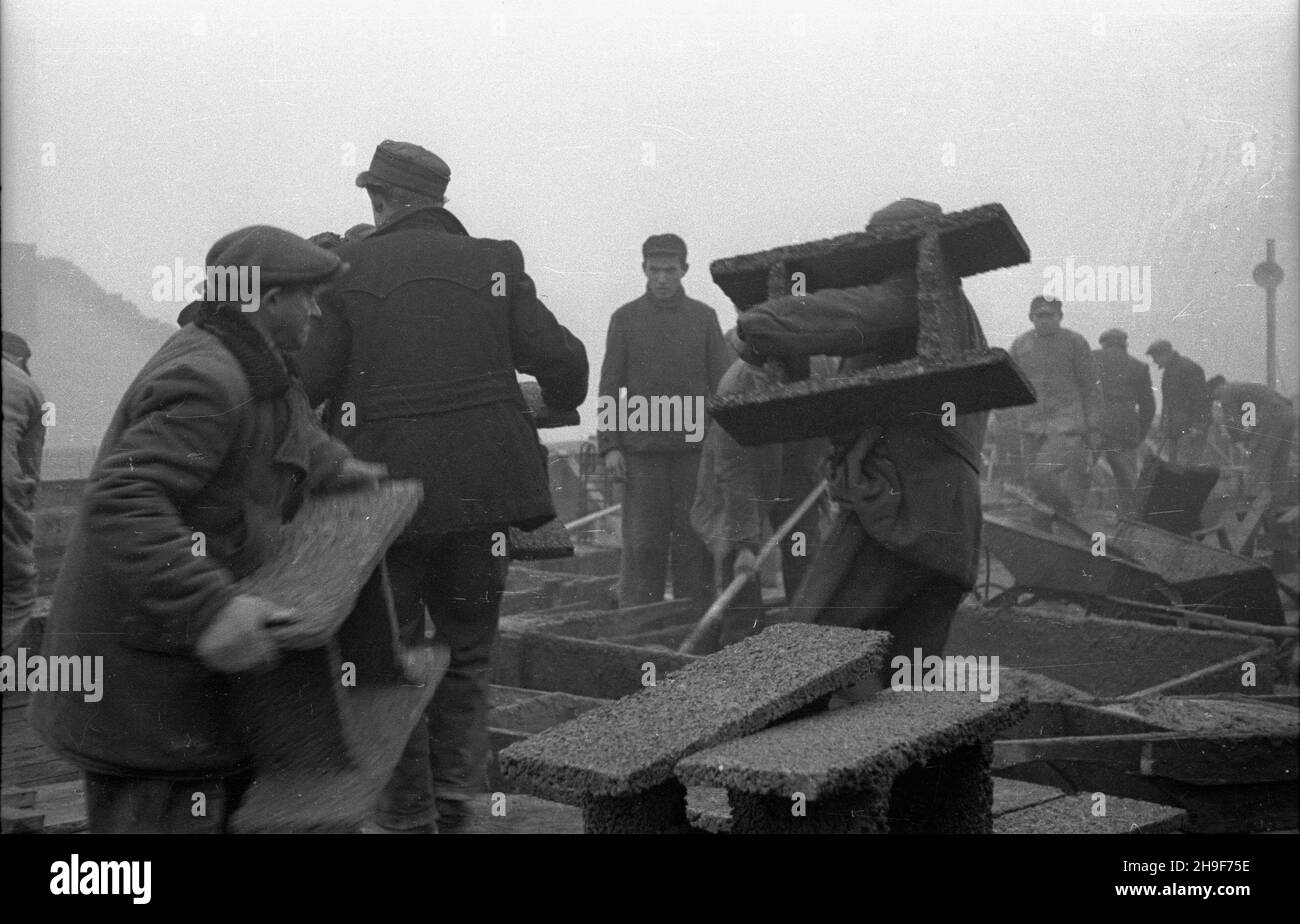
213 439
663 344
423 338
1128 406
904 547
1185 404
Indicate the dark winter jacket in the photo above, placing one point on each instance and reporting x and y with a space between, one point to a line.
417 350
209 451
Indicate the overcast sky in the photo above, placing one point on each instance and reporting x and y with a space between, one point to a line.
1158 135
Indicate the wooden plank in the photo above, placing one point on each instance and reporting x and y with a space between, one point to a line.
1200 759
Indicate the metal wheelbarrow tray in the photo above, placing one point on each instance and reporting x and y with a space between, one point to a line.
1040 560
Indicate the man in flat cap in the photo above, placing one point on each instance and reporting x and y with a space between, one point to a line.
418 351
1185 404
665 346
214 440
24 440
1057 431
904 547
1128 406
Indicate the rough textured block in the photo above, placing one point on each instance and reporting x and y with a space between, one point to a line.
631 745
1074 815
328 552
939 251
660 809
324 751
921 759
977 240
977 380
550 540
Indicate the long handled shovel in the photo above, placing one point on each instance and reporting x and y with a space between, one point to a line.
708 623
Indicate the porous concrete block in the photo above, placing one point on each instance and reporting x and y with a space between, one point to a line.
631 745
947 366
919 760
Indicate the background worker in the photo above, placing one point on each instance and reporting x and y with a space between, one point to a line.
661 344
1128 406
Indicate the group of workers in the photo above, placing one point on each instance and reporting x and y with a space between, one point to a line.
393 351
1100 404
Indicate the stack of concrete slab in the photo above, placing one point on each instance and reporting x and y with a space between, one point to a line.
617 761
900 762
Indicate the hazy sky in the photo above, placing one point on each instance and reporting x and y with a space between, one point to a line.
1156 135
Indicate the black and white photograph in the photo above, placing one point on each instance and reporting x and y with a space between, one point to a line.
561 417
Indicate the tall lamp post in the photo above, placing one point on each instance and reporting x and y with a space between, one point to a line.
1269 275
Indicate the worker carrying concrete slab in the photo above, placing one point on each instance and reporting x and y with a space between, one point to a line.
210 450
904 546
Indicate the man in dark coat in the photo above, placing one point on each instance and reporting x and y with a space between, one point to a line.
1128 406
663 345
1184 404
418 349
905 545
209 451
24 440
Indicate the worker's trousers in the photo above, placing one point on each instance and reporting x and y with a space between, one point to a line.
858 583
459 581
1122 459
156 805
657 499
1056 469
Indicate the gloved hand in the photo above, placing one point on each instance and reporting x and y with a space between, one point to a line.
237 639
745 563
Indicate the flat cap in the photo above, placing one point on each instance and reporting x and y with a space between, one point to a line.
281 257
15 345
400 163
904 210
664 244
1160 346
1113 336
1042 301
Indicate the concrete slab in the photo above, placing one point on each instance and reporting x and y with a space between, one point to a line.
630 746
865 746
1074 815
